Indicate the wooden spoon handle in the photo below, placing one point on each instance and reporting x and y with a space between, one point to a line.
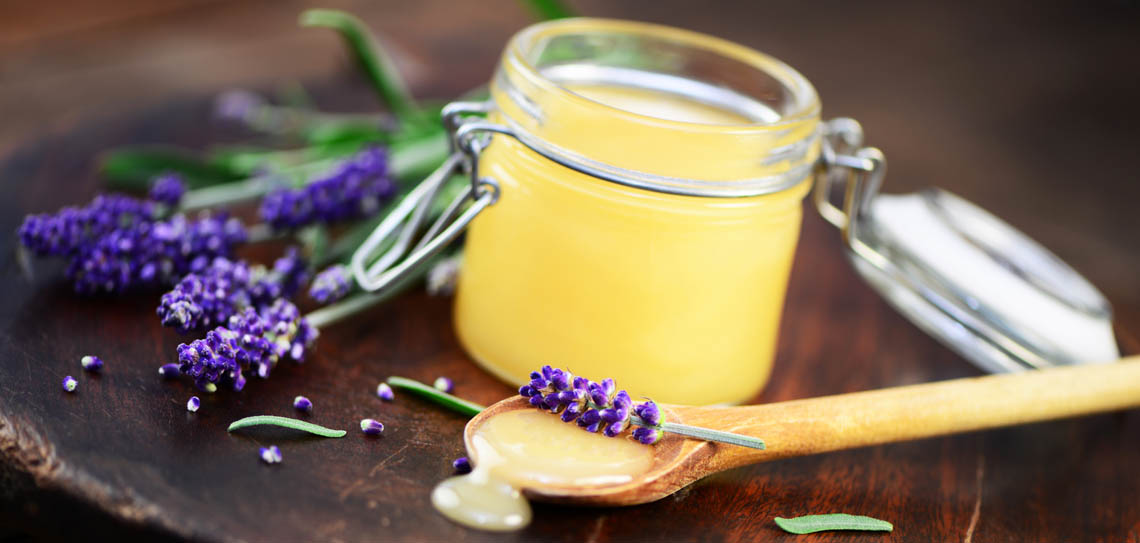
830 423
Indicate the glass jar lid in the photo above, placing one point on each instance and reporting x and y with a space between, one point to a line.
972 281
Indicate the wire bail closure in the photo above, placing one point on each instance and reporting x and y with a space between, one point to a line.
467 139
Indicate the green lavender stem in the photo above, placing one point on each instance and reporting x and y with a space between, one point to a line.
706 434
372 58
433 394
285 422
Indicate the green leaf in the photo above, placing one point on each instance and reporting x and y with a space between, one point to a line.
836 521
285 422
372 58
133 167
549 9
454 403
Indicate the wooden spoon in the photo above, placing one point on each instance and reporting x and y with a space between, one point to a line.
845 421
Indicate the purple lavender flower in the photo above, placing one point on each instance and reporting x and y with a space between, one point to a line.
301 403
290 271
331 284
444 384
251 341
462 465
225 288
385 392
91 363
592 406
153 253
193 404
614 429
647 436
371 427
355 189
648 412
167 189
70 384
71 228
270 454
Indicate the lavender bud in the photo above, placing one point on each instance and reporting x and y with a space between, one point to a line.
547 372
581 383
91 363
647 436
560 379
649 413
569 396
167 189
69 384
614 429
550 401
571 412
622 401
301 403
613 415
385 392
538 381
597 395
193 404
271 454
331 284
608 387
536 401
462 465
527 391
169 371
444 384
590 417
371 427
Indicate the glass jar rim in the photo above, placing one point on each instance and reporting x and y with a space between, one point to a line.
806 99
777 151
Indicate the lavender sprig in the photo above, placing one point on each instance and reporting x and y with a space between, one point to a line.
601 407
354 190
146 253
252 341
66 231
225 288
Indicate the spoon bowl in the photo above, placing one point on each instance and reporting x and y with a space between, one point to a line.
830 423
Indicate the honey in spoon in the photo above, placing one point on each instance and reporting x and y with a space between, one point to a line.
521 448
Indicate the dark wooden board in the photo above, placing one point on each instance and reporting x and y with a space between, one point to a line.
123 457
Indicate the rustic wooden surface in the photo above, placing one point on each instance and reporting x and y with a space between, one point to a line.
1028 109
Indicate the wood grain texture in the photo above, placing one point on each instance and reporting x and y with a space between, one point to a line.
1025 108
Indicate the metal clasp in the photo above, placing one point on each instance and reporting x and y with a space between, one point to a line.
468 138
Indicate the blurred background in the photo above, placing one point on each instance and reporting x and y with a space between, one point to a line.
1027 108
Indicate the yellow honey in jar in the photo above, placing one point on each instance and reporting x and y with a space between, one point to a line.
656 249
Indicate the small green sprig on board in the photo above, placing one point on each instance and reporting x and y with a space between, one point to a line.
285 422
809 524
427 392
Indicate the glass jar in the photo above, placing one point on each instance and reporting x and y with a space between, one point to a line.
669 276
634 205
